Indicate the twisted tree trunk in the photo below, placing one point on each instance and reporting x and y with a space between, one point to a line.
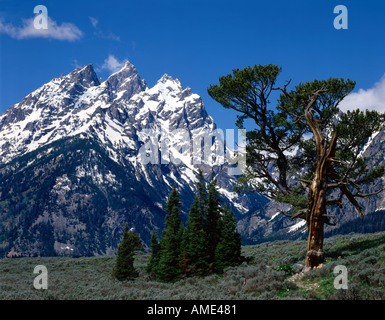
316 212
315 223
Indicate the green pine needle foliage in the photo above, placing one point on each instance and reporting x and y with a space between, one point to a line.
124 265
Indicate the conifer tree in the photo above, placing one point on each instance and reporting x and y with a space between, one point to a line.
195 260
213 215
170 245
155 254
329 167
228 250
202 197
184 263
124 264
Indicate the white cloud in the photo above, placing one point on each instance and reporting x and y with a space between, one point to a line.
371 99
107 36
76 63
94 21
66 31
112 64
102 34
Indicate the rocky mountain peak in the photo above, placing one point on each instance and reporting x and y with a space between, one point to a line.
166 78
169 82
72 159
86 76
125 83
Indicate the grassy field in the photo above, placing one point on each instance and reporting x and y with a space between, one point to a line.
272 273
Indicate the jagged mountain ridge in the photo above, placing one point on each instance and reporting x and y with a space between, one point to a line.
71 172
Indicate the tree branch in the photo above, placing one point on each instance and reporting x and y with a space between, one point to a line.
300 214
368 194
333 224
352 199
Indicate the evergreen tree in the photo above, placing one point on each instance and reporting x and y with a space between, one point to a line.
195 260
213 215
124 264
184 264
228 250
202 197
155 254
170 245
135 241
330 166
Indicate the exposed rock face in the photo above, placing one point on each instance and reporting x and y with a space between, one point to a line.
80 157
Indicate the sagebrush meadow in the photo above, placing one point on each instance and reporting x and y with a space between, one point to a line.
90 277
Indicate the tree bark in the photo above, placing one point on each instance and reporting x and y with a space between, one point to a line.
316 213
315 216
315 223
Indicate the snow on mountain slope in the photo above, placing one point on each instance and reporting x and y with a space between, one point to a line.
116 110
138 126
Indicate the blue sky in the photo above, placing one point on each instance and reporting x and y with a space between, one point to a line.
195 41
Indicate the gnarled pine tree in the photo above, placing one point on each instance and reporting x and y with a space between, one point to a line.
305 151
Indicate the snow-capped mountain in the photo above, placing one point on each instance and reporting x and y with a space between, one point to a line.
80 157
66 106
